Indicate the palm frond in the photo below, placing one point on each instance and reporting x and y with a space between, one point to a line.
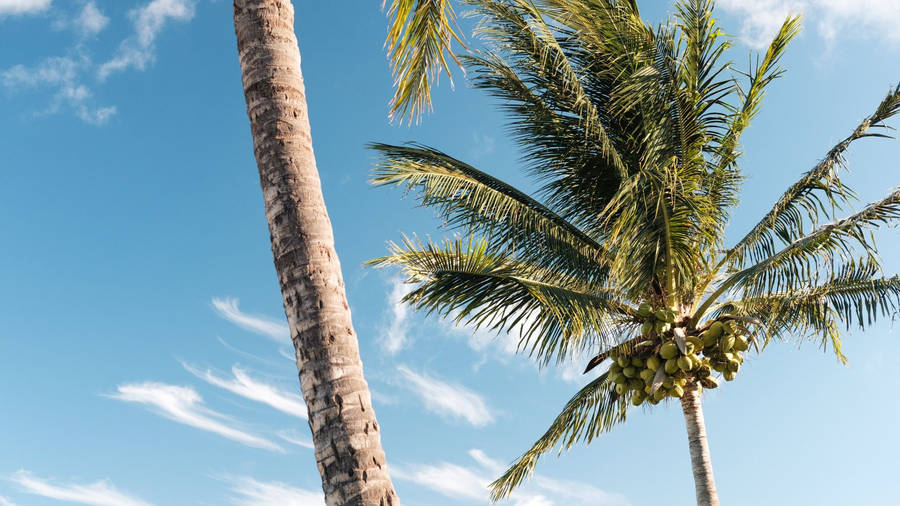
817 194
478 203
802 260
855 296
593 411
472 282
419 40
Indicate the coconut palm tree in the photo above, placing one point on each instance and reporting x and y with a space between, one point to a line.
633 132
345 432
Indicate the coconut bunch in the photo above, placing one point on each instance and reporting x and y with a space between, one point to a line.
662 366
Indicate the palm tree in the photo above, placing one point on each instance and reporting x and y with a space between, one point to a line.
345 432
633 134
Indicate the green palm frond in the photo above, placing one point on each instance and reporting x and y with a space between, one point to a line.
478 203
593 411
856 296
470 281
725 177
803 259
814 196
419 40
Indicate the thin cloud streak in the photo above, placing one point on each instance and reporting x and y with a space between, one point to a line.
228 308
139 50
101 493
394 336
471 483
254 389
447 400
292 437
250 492
184 405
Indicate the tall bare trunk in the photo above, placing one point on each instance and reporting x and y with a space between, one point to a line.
345 433
704 483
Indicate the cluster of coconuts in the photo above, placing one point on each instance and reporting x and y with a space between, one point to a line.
657 369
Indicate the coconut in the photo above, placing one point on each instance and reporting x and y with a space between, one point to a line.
630 372
644 310
677 391
637 399
716 330
741 344
637 362
729 375
684 363
659 394
709 382
647 375
646 328
620 389
653 362
695 341
671 366
726 343
623 361
668 350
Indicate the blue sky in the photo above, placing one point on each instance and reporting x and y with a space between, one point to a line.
143 354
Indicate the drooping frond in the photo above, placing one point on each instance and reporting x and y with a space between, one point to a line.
814 196
803 260
478 203
474 283
419 40
593 411
856 296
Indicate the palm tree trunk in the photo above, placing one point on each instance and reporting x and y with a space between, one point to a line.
704 483
345 433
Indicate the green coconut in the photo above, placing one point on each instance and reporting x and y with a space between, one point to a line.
647 375
709 382
695 341
630 372
637 399
716 330
637 362
677 391
644 310
653 362
741 343
623 361
729 375
726 343
646 328
671 366
620 389
684 363
659 394
668 350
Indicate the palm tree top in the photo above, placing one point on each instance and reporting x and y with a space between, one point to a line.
633 133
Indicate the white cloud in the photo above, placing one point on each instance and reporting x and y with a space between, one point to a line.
250 492
873 19
228 309
13 7
471 483
292 437
394 336
6 502
90 21
184 405
447 400
101 493
60 73
254 389
138 50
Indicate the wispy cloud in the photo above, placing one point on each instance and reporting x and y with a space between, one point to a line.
447 400
101 493
184 405
294 438
254 389
849 19
6 502
17 7
228 308
90 21
471 483
139 49
394 338
250 492
61 73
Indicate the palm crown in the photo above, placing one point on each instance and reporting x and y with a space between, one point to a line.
633 133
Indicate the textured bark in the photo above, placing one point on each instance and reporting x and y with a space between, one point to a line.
345 433
704 483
